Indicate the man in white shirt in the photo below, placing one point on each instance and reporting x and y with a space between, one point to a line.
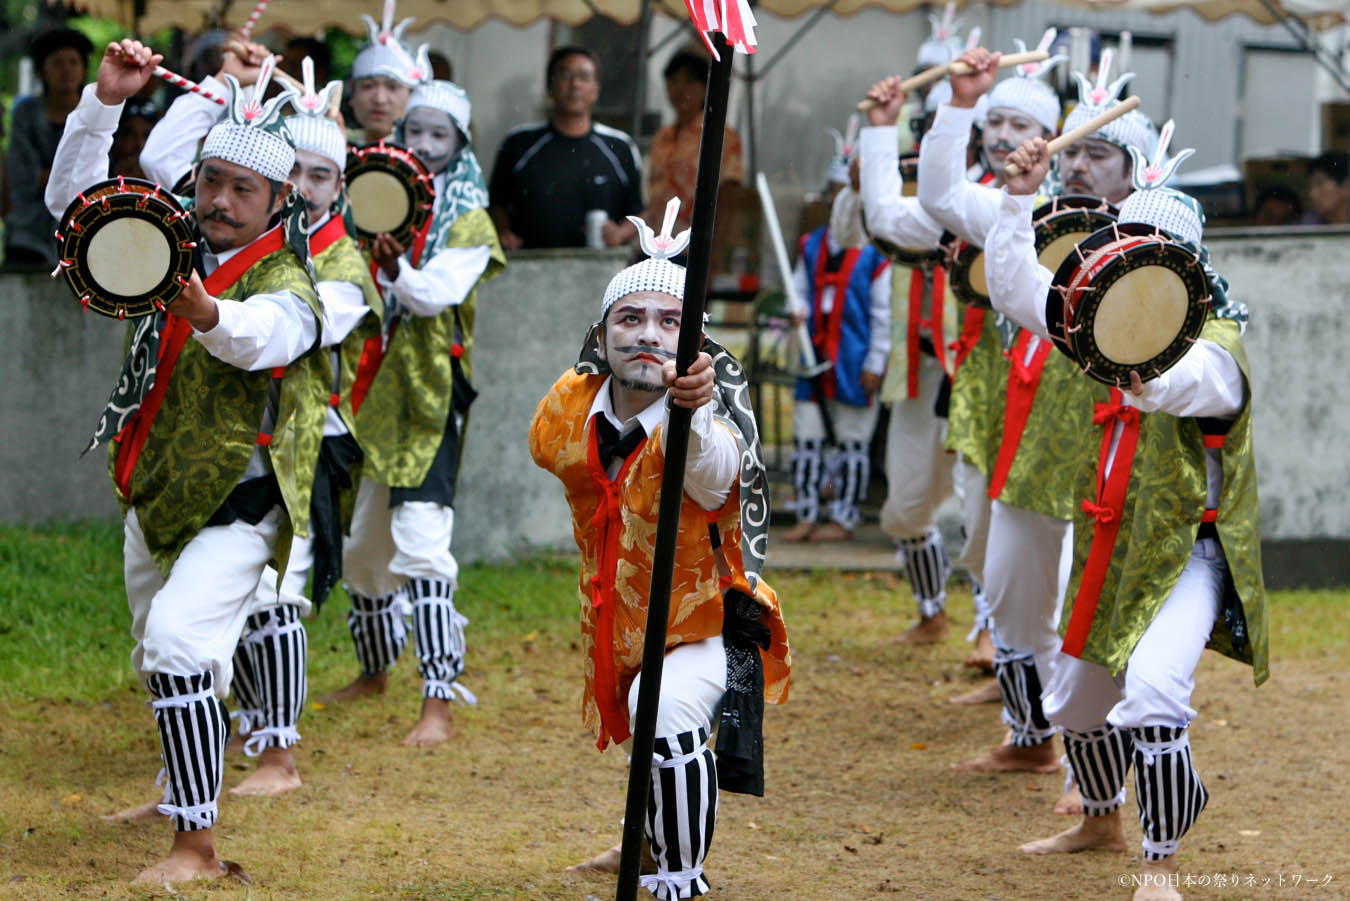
214 446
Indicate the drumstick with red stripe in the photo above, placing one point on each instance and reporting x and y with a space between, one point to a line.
1074 135
177 80
247 28
956 67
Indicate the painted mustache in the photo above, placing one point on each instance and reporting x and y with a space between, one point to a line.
218 216
659 353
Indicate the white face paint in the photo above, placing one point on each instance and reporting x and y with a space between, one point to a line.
1005 130
641 331
432 136
318 180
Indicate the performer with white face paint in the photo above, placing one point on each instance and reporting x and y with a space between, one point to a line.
1167 554
397 559
270 681
601 430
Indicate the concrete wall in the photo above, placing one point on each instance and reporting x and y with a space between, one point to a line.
58 365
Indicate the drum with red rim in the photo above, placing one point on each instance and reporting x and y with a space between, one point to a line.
390 191
1127 297
125 247
1061 222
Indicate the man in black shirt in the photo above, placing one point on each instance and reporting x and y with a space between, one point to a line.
548 175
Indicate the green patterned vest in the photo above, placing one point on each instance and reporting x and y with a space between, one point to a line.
408 404
1057 437
894 385
209 422
1163 506
975 416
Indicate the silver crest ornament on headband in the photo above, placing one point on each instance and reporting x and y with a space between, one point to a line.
1131 130
657 272
382 57
312 127
943 44
1153 203
253 133
1026 91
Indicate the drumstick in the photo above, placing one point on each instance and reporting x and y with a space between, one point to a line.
179 81
1075 135
247 28
956 67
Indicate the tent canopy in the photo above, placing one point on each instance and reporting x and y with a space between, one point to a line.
310 15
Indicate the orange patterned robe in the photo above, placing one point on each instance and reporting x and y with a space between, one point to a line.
614 523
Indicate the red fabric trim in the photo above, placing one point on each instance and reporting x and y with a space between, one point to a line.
1214 442
327 236
912 332
420 243
171 342
972 326
1106 511
608 524
1023 380
825 336
1210 516
935 313
372 355
334 400
278 372
264 439
986 178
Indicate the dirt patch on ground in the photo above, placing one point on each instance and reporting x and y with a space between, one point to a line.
860 803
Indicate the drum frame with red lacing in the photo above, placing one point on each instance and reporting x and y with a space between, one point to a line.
1086 276
416 180
962 258
98 207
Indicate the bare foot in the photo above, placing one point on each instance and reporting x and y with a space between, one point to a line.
987 693
360 687
929 630
1071 803
800 532
193 856
275 775
144 813
830 531
1006 758
1159 880
608 861
235 743
433 728
981 657
1103 833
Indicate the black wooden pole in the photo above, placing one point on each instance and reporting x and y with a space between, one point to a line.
672 479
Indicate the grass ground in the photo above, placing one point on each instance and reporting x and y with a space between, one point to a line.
860 802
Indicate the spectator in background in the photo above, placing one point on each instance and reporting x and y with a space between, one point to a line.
61 59
1277 205
139 115
382 79
674 162
1328 189
297 48
549 175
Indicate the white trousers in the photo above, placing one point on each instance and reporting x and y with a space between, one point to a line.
190 622
387 547
693 680
1026 570
850 423
292 584
918 467
1155 688
972 489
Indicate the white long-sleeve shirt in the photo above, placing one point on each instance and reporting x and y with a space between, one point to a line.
714 458
889 214
171 147
965 208
878 311
1205 382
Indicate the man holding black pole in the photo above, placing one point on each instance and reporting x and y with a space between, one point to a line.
601 430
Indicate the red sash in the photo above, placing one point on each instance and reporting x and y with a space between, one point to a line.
972 326
1106 510
131 440
826 335
917 323
327 236
608 524
1023 380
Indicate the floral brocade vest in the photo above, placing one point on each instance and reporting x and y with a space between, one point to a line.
911 318
407 403
190 442
1047 431
1134 530
614 523
975 414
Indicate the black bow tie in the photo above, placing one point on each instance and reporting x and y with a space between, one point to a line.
610 444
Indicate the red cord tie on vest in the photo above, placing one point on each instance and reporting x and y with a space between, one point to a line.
1099 512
